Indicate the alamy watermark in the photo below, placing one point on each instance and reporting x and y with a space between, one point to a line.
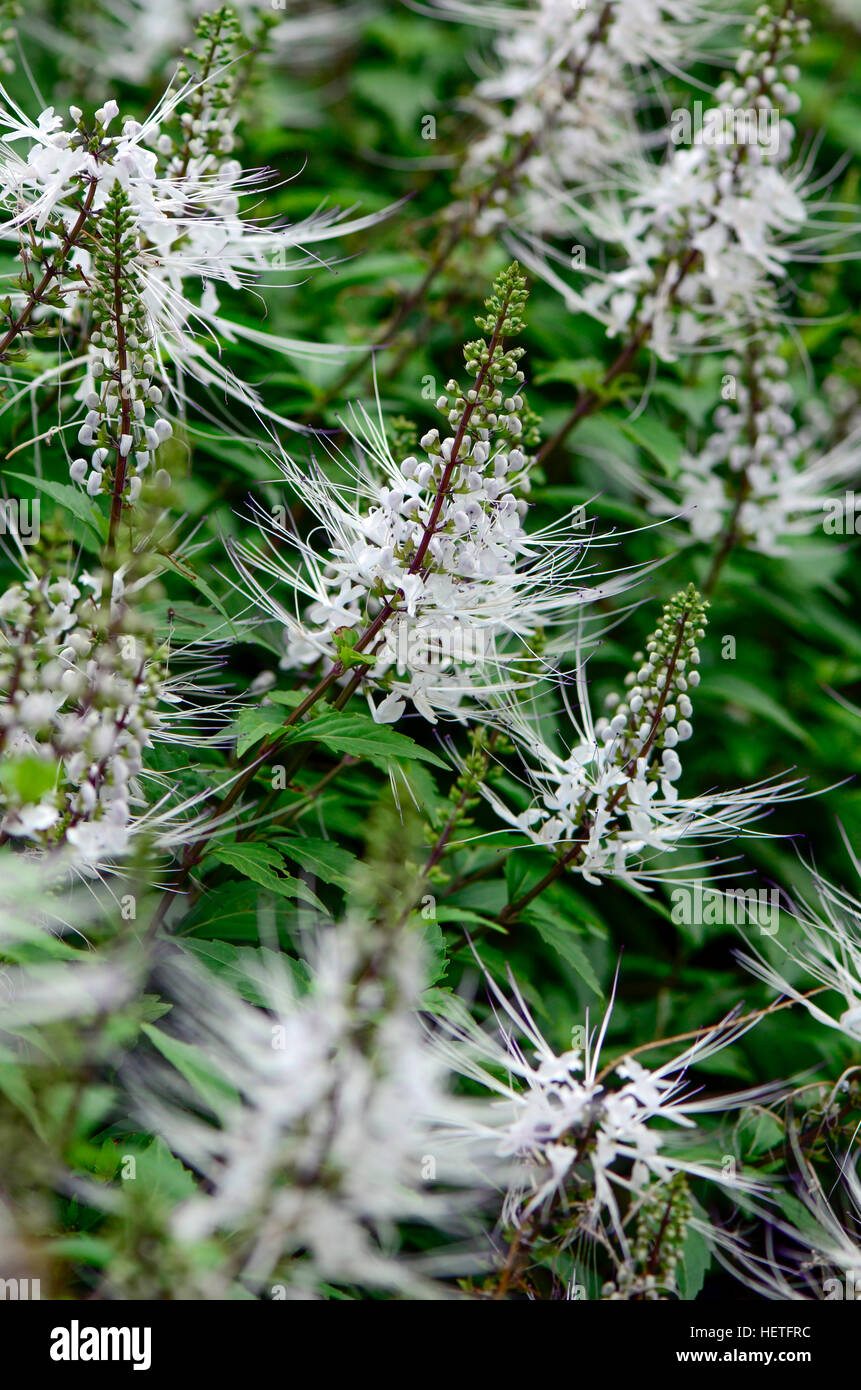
20 518
727 125
695 905
841 515
17 1289
76 1343
440 645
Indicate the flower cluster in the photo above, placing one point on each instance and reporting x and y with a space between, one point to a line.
81 689
760 472
121 424
170 204
560 100
434 561
709 232
655 711
209 122
576 1138
612 799
281 1023
332 1118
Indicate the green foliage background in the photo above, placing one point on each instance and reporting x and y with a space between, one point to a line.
349 133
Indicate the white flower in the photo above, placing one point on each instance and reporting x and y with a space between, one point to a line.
827 948
86 692
457 633
706 235
559 98
327 1107
431 556
777 478
610 804
28 821
575 1135
185 235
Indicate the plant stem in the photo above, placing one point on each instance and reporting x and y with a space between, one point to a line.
35 299
121 464
510 913
590 401
697 1032
194 851
730 534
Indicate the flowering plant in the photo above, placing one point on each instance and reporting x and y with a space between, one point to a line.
427 639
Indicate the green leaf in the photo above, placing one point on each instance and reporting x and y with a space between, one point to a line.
26 779
256 724
734 690
262 863
291 698
324 858
83 1249
664 446
437 956
162 1173
16 1088
696 1258
228 913
585 372
452 912
404 96
185 621
197 1069
562 937
759 1131
240 966
359 736
71 499
345 649
200 584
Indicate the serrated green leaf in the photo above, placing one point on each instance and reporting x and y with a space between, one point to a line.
255 724
562 937
692 1267
263 865
329 861
198 1070
359 736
